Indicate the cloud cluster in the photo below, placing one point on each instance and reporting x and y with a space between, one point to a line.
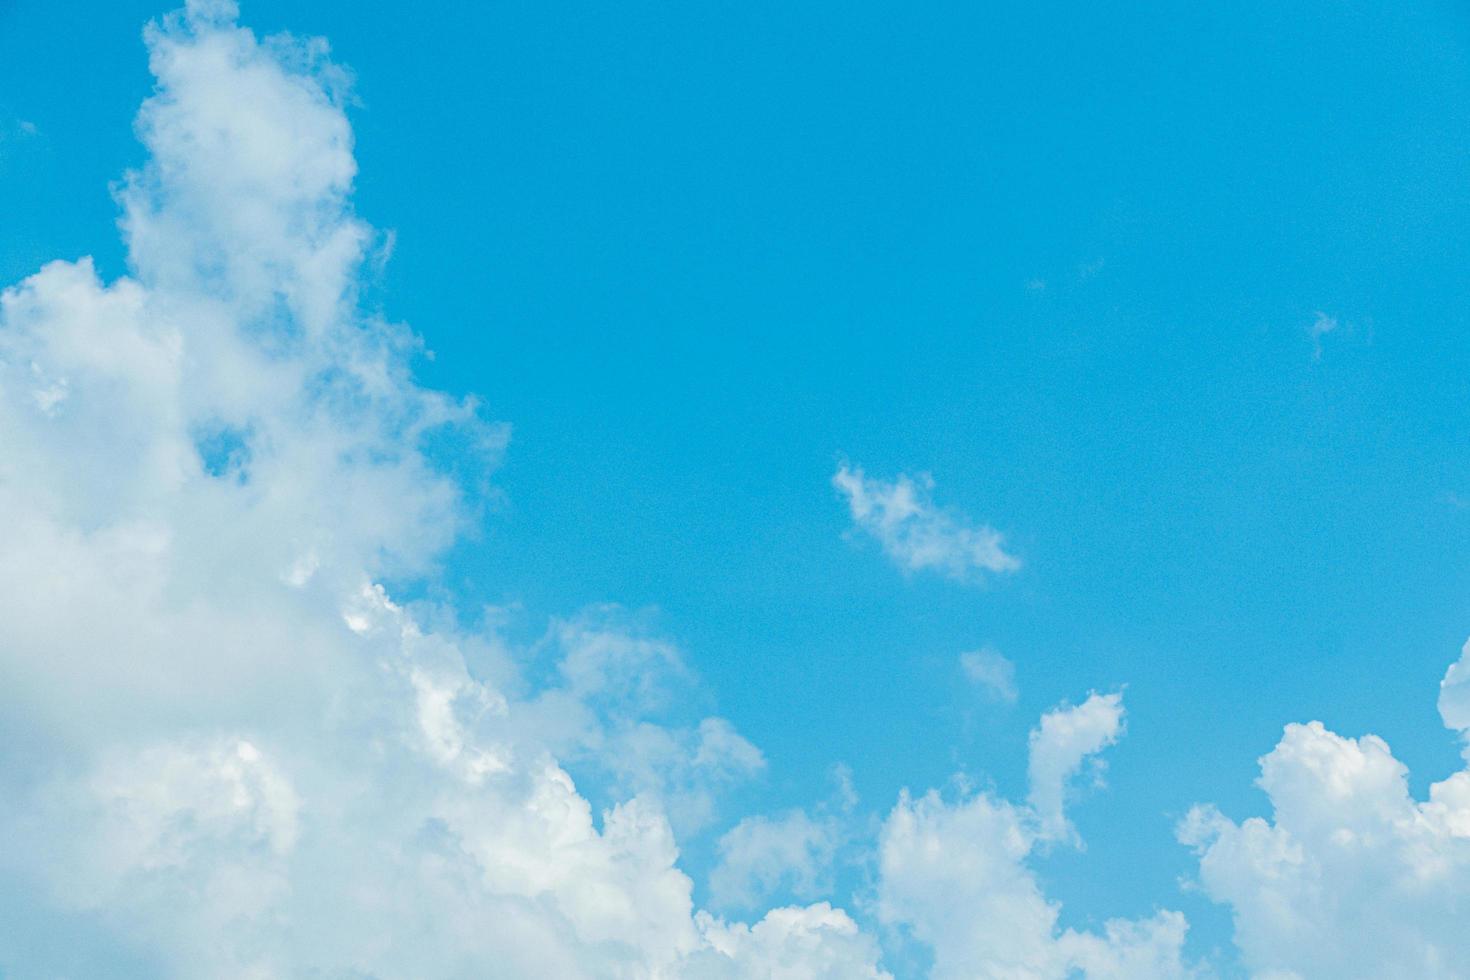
956 874
915 533
1351 876
229 752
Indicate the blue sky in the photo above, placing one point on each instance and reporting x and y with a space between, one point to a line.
1173 297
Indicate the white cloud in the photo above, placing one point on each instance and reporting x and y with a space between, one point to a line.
615 666
1067 738
761 854
1321 326
229 750
615 678
1454 697
795 851
813 943
955 874
1351 876
915 533
991 672
180 808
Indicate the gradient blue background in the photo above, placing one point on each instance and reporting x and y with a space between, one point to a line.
697 252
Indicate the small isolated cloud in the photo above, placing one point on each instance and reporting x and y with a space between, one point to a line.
16 130
1321 326
915 533
991 672
1456 500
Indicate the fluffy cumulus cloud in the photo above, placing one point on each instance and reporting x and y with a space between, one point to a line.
817 942
956 875
1454 698
1351 876
228 751
917 534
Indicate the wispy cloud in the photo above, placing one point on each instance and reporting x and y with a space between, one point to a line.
1321 326
1091 269
917 534
991 673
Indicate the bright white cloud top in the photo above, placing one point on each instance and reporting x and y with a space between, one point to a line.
1351 877
270 768
233 754
956 873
